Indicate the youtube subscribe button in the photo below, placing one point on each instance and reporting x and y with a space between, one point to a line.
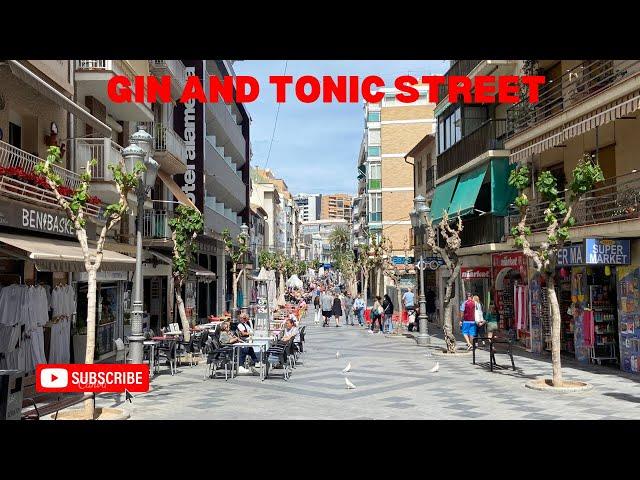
92 378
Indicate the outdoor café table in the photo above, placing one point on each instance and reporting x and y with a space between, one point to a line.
235 358
152 346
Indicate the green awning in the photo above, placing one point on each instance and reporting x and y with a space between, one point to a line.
502 195
442 198
467 191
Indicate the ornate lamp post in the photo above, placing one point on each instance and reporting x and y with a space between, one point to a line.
418 222
139 151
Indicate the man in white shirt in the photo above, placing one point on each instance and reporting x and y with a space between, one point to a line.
358 306
290 331
244 332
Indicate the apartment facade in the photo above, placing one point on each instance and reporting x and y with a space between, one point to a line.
266 196
309 205
316 234
336 205
385 179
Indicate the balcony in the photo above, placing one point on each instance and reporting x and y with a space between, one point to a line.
170 150
156 224
223 124
614 200
92 77
173 68
577 84
482 230
218 217
223 179
12 183
488 136
105 151
460 68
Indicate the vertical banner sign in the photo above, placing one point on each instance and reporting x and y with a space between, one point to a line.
188 122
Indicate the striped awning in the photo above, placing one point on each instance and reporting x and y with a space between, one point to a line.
600 116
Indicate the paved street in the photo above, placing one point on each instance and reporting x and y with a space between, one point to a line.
393 382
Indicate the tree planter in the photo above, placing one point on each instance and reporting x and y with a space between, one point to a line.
568 386
99 414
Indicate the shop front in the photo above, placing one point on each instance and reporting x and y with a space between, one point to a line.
510 295
596 296
477 281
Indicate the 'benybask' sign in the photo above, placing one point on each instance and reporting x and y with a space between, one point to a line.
35 219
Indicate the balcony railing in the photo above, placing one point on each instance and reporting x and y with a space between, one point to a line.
11 156
175 67
165 139
460 68
104 150
582 81
614 200
488 136
156 224
110 65
482 230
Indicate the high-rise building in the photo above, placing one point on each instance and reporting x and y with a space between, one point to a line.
336 205
309 205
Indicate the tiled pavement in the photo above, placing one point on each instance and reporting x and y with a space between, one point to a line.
393 382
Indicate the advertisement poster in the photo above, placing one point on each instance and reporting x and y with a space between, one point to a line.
629 318
537 314
578 297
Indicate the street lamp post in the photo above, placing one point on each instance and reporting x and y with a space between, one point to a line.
139 151
418 222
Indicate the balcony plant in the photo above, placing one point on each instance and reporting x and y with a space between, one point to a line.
558 217
186 225
75 208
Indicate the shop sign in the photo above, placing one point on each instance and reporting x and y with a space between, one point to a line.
104 276
571 255
605 251
475 273
29 217
398 260
513 260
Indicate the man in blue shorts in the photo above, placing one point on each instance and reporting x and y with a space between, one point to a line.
468 321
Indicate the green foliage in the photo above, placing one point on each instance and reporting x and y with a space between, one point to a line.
186 225
519 178
267 260
585 176
236 252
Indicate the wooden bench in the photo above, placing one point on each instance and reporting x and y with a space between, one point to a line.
52 402
492 353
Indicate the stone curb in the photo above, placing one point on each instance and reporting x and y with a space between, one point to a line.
543 387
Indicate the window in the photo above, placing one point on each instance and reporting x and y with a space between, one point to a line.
449 130
373 136
374 151
419 169
441 143
375 174
373 117
375 207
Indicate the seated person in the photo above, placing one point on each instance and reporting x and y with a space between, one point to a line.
290 331
227 338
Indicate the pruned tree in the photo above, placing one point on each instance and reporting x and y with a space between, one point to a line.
558 216
267 260
449 254
342 254
75 208
185 226
237 252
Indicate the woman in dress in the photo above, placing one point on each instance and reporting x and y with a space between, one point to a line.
336 310
376 313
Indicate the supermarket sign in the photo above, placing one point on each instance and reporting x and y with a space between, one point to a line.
596 251
601 251
475 273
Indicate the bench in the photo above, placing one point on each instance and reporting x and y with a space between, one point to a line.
53 402
492 353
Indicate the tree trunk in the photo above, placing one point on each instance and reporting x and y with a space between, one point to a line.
555 331
89 404
281 292
447 323
234 304
378 281
365 289
186 331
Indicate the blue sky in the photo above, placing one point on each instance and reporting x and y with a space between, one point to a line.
315 147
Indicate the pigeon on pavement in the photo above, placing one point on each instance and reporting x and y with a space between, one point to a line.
435 368
347 368
337 354
350 385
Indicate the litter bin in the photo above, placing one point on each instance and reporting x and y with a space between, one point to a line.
10 394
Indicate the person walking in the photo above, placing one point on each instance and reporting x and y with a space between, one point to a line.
430 298
376 314
348 309
317 311
387 306
358 307
336 309
480 321
326 302
468 320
